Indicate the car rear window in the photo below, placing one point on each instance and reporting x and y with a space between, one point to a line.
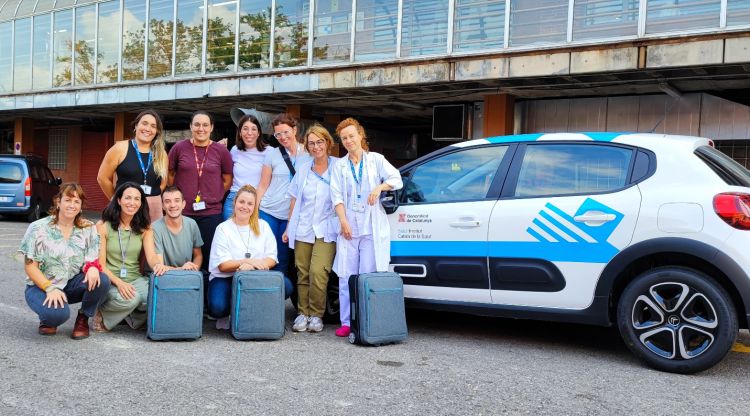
727 168
10 173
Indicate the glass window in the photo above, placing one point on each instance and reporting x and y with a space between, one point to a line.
424 27
44 5
189 37
109 28
377 23
538 21
566 169
255 34
738 12
85 45
332 31
8 10
292 21
26 7
10 173
222 29
594 19
465 175
674 15
478 24
22 55
62 45
58 148
42 51
64 3
133 39
160 31
6 56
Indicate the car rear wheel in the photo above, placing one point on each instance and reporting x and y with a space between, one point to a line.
677 320
35 213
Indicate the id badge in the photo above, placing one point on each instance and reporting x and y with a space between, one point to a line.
146 189
199 206
358 207
123 273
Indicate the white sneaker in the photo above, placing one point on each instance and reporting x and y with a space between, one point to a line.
315 324
222 323
300 323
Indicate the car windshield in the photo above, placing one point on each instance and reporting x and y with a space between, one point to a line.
727 168
10 173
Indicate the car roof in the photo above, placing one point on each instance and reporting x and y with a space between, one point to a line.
645 140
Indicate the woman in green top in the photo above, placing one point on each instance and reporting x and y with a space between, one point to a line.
124 232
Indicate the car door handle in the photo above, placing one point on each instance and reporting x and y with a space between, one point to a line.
594 216
410 270
465 224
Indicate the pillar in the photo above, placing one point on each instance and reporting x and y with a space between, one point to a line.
498 115
123 126
23 135
331 121
299 111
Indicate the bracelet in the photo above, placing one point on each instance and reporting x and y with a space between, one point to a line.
95 264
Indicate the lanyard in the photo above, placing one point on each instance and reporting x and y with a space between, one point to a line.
328 170
358 180
199 167
294 162
123 251
140 161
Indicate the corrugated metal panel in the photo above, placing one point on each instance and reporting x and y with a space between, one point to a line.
724 120
93 148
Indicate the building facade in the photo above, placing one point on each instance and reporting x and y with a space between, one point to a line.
74 72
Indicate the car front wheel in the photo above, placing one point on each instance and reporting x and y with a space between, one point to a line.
677 320
35 213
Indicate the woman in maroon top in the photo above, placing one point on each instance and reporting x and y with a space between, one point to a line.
202 170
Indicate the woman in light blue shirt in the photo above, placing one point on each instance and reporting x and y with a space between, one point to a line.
312 229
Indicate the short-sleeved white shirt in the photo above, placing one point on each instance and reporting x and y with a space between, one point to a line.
232 241
248 164
276 200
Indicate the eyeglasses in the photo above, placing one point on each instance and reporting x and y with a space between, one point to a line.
318 143
199 125
281 134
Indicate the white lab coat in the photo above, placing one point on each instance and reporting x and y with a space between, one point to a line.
377 170
327 223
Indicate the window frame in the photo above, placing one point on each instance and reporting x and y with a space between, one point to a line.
509 189
494 190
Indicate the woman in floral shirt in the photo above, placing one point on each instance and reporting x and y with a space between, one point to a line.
60 259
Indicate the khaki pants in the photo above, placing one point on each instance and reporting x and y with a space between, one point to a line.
116 308
313 263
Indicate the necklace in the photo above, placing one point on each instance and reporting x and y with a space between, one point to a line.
245 243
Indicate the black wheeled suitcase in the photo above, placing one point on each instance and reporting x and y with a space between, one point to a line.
377 308
257 305
175 305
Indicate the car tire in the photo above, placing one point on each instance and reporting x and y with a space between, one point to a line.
677 320
35 213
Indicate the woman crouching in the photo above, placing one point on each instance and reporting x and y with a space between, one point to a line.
61 264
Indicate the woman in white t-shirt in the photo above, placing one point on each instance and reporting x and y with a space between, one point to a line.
243 242
247 155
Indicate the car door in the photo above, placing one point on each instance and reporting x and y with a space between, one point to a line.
439 231
566 210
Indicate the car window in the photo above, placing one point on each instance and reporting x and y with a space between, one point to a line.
10 173
34 172
727 168
459 176
48 173
564 169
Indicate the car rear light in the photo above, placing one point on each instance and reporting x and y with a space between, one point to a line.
734 209
27 187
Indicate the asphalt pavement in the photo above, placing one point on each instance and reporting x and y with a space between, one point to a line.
451 364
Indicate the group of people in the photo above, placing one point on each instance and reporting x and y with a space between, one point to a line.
203 207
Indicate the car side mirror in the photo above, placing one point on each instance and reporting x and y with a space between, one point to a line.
58 181
390 202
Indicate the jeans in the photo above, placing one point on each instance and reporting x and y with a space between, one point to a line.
207 226
282 249
220 295
76 291
228 206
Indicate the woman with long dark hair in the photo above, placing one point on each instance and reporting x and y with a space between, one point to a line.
61 263
142 160
247 157
124 233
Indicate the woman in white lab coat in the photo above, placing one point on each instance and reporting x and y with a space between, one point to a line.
364 241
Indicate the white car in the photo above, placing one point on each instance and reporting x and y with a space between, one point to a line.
643 230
